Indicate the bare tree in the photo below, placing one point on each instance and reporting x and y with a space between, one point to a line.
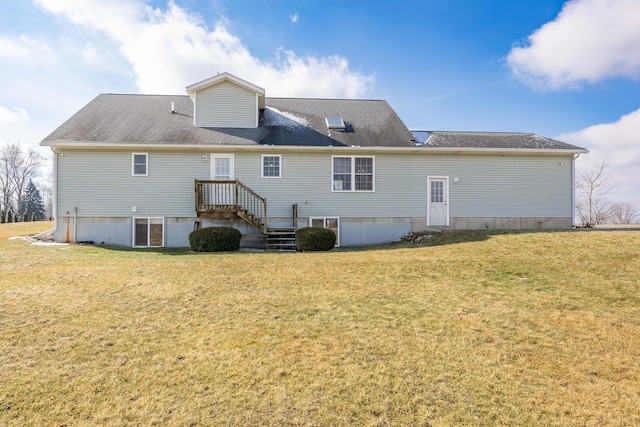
623 213
47 194
17 168
592 185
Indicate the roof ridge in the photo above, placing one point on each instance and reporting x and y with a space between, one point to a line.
475 132
142 94
308 98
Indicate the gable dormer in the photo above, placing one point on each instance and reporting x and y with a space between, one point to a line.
226 101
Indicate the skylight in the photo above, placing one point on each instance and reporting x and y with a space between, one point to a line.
335 123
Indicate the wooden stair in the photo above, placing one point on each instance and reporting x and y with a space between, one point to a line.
251 219
281 239
230 199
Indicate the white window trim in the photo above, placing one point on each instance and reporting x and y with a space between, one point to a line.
279 156
133 164
133 231
353 174
324 223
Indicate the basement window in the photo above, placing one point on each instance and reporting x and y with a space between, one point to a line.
335 123
148 232
332 223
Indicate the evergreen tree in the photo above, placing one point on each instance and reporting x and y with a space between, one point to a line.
31 204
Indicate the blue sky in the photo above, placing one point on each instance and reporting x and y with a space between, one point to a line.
566 70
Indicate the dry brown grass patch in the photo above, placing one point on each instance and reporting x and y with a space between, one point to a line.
500 329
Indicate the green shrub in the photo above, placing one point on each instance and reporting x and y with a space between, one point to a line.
315 239
215 239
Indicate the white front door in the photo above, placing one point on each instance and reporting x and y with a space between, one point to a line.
222 170
438 203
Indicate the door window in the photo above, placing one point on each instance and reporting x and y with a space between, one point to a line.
222 167
437 191
222 194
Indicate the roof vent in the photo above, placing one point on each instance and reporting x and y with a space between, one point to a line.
335 123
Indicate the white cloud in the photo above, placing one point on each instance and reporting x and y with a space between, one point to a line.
589 41
13 115
294 18
170 48
15 126
26 50
619 143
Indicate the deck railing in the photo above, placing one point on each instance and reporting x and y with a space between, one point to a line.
231 197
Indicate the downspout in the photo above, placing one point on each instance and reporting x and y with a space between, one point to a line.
573 189
54 191
75 223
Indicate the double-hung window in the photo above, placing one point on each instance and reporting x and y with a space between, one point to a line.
139 164
271 166
351 173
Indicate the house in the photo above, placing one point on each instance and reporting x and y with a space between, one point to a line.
145 170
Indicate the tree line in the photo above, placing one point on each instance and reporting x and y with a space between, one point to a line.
21 199
594 205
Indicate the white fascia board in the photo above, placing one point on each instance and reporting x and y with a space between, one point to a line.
221 78
323 149
479 150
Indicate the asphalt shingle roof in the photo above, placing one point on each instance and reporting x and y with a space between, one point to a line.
147 119
500 140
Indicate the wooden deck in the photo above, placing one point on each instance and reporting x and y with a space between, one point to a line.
226 199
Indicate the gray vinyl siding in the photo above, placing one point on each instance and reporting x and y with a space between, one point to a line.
99 183
226 105
516 186
512 187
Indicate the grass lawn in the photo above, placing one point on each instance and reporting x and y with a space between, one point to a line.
468 329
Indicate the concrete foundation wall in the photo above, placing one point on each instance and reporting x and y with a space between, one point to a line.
542 223
108 231
352 231
119 231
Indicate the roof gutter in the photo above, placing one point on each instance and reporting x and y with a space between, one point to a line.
290 148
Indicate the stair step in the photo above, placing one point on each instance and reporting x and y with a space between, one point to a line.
281 248
281 239
281 236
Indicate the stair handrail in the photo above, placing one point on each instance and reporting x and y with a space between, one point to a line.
250 202
240 199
